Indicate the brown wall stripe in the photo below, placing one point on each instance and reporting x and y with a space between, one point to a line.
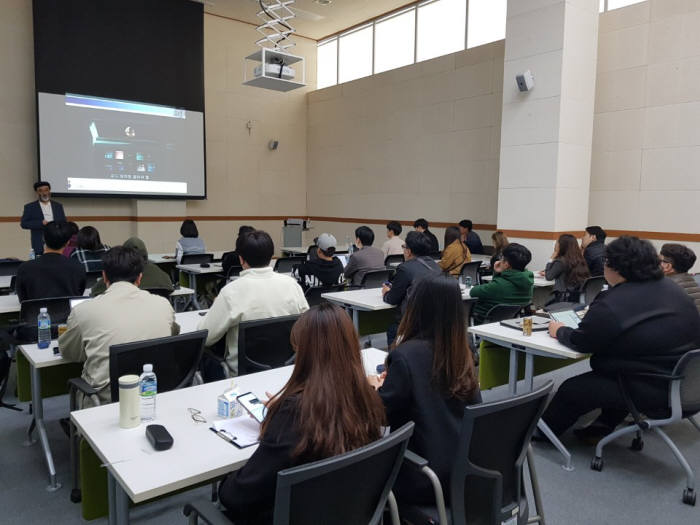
522 234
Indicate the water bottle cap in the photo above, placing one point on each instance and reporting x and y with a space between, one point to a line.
42 310
148 368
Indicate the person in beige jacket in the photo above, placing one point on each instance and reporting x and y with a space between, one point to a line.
455 254
123 314
258 293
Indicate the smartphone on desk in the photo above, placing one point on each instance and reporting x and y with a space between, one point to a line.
253 406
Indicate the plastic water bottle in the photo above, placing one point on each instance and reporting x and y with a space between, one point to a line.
43 322
349 244
148 388
32 254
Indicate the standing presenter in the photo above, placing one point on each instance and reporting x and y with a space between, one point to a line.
39 212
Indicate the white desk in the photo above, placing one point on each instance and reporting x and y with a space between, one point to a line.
136 472
169 258
300 250
540 282
539 343
193 270
44 358
5 281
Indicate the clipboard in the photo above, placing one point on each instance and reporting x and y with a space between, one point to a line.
242 431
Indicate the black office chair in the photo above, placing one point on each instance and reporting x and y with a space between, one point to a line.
264 344
376 278
487 482
502 312
161 292
592 287
5 364
313 294
9 266
390 260
287 264
348 489
684 403
58 309
471 269
13 284
197 258
174 359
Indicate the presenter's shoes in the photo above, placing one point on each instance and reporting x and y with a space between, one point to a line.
593 433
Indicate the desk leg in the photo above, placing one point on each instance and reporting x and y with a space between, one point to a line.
38 405
557 443
193 285
529 372
356 319
118 502
513 372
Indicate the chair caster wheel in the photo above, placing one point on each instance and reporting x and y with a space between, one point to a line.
597 464
76 496
689 497
637 444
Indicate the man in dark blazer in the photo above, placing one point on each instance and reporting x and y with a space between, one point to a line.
39 213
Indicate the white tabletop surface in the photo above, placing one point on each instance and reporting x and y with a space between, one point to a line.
540 282
370 298
197 453
539 340
300 250
44 357
160 258
5 281
197 269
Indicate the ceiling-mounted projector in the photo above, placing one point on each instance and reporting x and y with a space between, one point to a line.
274 71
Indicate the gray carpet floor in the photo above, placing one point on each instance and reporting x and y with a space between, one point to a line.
635 487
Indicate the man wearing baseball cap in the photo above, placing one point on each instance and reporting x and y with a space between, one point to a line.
326 269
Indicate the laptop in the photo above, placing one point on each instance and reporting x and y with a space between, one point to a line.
569 317
539 323
344 259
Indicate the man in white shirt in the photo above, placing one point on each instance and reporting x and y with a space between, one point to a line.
39 213
394 244
258 293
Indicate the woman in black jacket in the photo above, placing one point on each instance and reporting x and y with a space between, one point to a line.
326 408
644 323
430 378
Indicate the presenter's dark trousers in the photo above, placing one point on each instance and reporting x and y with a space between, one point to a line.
581 394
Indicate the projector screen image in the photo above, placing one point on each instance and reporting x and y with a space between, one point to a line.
98 146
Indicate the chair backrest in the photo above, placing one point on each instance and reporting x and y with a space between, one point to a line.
91 278
592 287
471 269
313 294
688 367
394 259
264 344
489 250
58 309
234 271
346 489
487 479
502 312
174 359
197 258
162 292
9 267
375 278
286 264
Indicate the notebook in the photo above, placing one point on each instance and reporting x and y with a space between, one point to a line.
242 431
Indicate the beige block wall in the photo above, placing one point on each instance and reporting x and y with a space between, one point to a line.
244 178
422 140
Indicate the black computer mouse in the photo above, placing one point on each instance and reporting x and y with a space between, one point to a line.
204 265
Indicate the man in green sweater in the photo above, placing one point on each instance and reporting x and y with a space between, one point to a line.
153 276
511 284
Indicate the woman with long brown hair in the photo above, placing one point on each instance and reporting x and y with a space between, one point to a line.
430 378
455 254
326 408
500 241
568 270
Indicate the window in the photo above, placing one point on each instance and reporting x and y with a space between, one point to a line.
616 4
394 41
441 27
486 21
355 54
327 64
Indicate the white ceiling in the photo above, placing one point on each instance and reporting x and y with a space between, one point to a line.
313 20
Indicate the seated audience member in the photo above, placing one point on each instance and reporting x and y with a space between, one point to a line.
393 244
153 276
421 225
123 314
90 249
52 274
511 283
258 293
190 242
593 244
643 323
73 241
455 253
366 258
326 268
417 265
567 268
430 378
676 260
500 241
230 259
325 409
470 237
